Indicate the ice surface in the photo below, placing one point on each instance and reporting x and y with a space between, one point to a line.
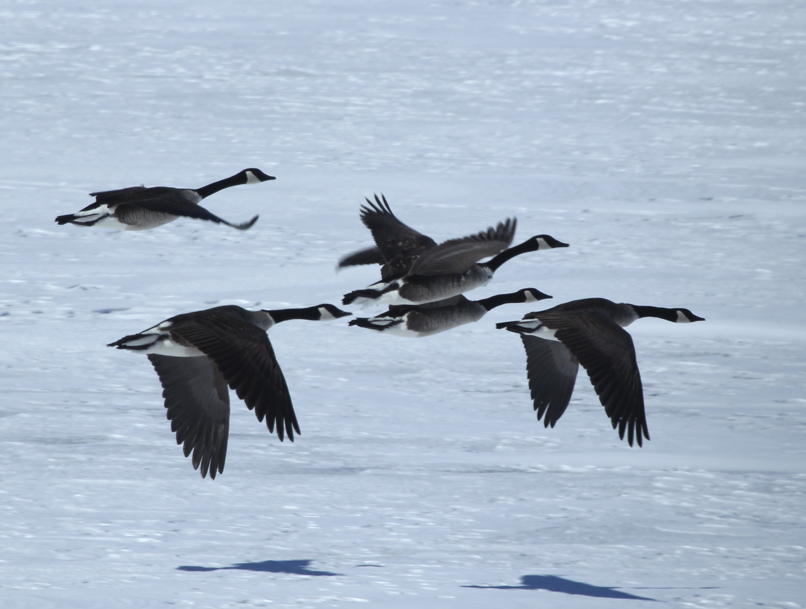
663 140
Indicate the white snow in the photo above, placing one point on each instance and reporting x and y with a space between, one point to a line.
664 141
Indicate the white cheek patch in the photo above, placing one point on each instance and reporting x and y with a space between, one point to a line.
682 319
325 315
251 179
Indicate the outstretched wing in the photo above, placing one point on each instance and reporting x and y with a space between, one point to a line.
244 355
552 372
459 255
607 353
197 402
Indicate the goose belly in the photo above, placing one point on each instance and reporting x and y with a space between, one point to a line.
420 289
111 222
433 321
140 219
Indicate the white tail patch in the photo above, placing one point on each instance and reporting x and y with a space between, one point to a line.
166 346
383 322
101 216
95 212
141 341
389 298
535 327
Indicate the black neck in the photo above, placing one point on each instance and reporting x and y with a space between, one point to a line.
280 315
660 312
526 246
211 189
500 299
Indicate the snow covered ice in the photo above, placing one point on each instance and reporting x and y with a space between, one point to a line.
664 141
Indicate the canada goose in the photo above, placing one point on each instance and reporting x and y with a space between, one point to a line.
589 332
416 270
434 317
141 208
196 355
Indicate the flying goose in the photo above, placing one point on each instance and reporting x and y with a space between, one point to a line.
434 317
416 270
589 332
141 208
196 355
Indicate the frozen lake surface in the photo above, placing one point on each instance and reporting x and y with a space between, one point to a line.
663 141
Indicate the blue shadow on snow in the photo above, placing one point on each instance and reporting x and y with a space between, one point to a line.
552 583
296 567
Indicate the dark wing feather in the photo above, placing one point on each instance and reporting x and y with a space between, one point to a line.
370 255
552 372
245 357
197 403
121 195
453 301
459 255
174 203
398 243
607 353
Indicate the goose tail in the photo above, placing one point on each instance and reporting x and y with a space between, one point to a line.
378 324
136 342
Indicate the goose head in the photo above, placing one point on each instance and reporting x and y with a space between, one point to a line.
684 316
544 242
328 311
678 316
255 176
532 295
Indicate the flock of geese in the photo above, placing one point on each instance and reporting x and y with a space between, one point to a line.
199 355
